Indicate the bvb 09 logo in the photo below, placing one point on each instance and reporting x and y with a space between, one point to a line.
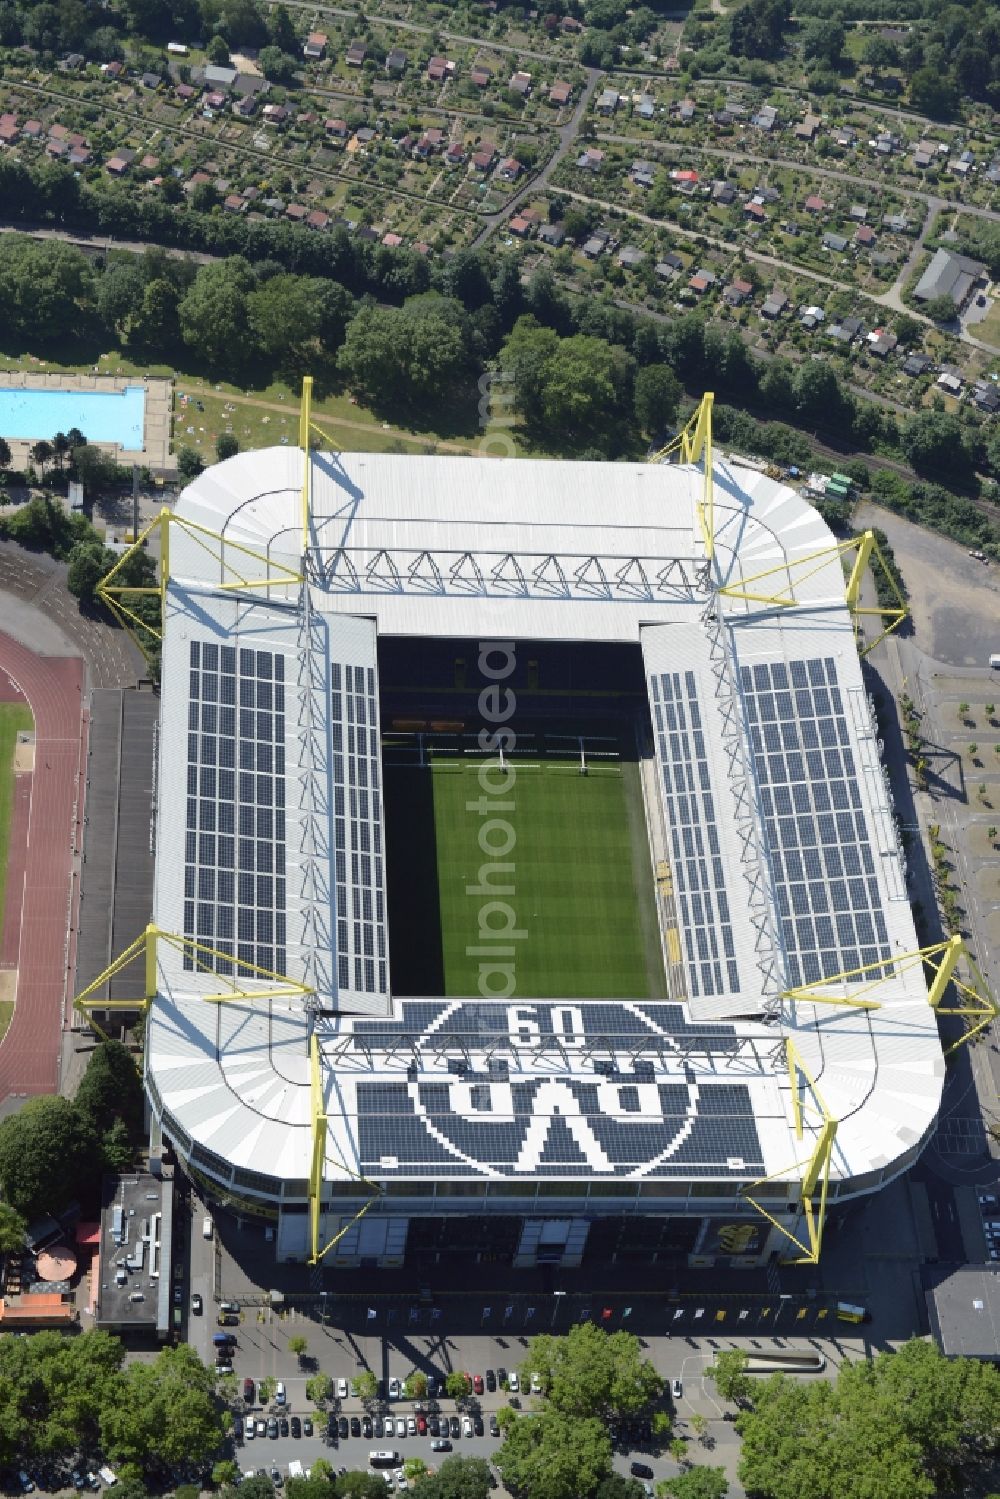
738 1238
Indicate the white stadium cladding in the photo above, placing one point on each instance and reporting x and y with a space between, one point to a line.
771 804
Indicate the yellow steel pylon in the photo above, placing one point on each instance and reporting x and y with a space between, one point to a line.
231 579
316 1170
815 1171
799 569
941 958
693 443
276 985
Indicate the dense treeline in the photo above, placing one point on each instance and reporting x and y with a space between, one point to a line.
955 52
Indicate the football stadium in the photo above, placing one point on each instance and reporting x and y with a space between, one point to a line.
528 886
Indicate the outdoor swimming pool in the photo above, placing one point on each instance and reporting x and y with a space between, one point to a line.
101 415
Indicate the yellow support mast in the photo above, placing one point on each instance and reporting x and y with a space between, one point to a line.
815 1171
694 444
317 1171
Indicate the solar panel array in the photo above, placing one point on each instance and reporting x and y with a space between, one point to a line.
699 877
234 850
492 1104
829 904
357 809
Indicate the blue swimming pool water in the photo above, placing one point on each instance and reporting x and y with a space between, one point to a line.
102 416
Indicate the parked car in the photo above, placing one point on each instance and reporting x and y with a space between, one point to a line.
477 1384
411 1426
280 1397
441 1445
676 1389
433 1426
467 1426
250 1429
513 1383
261 1426
477 1424
641 1470
422 1425
494 1424
296 1427
307 1427
272 1428
355 1426
249 1391
197 1305
366 1426
238 1428
491 1380
536 1382
283 1426
395 1390
502 1377
341 1389
454 1427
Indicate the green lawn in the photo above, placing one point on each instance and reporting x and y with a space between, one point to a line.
582 878
13 717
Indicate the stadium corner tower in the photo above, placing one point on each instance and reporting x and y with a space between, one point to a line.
521 847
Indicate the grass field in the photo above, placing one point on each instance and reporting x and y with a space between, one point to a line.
13 717
582 878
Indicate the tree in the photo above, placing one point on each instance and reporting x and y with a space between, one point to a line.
756 29
415 1386
117 1150
226 446
458 1478
991 832
281 31
940 309
361 1485
319 1389
60 447
696 1483
189 464
553 1456
923 1423
48 1156
88 562
699 1425
111 1088
933 93
823 40
933 441
52 1391
5 453
278 66
214 313
906 328
297 1344
880 53
315 1486
257 1487
414 1468
409 355
45 284
166 1414
593 1373
217 52
13 1228
963 711
154 323
119 292
678 1449
729 1373
818 395
223 1472
41 454
656 396
365 1386
457 1385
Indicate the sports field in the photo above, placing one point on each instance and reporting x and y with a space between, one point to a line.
582 880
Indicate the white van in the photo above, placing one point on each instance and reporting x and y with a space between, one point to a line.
206 1227
383 1459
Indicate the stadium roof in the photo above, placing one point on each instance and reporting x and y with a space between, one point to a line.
772 805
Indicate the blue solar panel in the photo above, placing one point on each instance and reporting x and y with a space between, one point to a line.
362 962
699 878
814 831
234 866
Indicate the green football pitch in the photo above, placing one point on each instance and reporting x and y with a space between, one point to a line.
583 886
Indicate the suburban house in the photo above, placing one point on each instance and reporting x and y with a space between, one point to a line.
245 106
774 305
118 164
185 92
560 93
520 226
814 204
356 54
233 203
591 160
520 83
686 111
479 76
835 242
949 275
754 211
806 129
484 158
314 46
845 137
216 77
510 169
8 129
439 68
723 192
552 234
275 114
630 256
596 244
811 316
881 342
736 293
668 266
766 119
455 154
151 81
896 223
645 107
297 212
950 381
643 173
392 240
337 129
985 396
607 102
701 281
318 219
864 235
395 61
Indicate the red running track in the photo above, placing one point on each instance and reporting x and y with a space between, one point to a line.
53 689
